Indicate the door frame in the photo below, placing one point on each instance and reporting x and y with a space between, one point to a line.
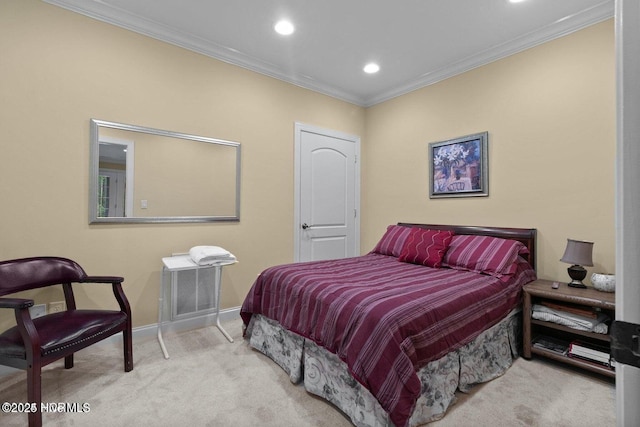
302 127
627 21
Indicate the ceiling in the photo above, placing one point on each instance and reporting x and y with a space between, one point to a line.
415 42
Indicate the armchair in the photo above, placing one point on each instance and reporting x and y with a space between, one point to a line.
34 343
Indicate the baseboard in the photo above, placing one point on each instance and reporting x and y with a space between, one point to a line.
143 333
151 331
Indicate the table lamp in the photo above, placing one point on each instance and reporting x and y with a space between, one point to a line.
578 253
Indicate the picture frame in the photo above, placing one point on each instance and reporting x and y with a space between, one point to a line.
459 167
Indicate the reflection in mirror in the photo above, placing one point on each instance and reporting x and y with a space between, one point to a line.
142 174
115 176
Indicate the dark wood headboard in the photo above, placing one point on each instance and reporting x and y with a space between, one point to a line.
525 235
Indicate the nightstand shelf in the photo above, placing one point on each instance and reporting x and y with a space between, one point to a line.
601 337
540 291
594 367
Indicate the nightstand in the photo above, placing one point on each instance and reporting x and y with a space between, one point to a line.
540 291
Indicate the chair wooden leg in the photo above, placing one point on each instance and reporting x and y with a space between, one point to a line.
128 350
68 362
34 394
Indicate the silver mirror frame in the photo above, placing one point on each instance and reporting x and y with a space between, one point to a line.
95 126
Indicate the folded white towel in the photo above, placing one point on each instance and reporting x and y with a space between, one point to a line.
208 255
571 320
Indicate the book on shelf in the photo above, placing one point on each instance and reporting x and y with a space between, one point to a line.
589 348
572 308
610 364
589 351
597 358
551 344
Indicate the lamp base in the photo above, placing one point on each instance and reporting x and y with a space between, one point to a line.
577 273
577 284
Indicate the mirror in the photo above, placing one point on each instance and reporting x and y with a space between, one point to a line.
140 175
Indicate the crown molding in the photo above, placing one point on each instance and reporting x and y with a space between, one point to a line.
103 12
115 16
560 28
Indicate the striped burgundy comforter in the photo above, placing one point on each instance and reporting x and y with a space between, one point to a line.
384 318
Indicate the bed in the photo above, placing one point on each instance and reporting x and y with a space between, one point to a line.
388 337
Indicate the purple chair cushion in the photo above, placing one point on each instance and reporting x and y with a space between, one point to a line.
63 330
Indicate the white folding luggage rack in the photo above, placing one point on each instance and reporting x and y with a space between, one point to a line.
182 262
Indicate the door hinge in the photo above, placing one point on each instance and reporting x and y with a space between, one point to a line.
355 213
625 343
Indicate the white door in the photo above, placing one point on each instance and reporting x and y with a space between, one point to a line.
327 224
627 198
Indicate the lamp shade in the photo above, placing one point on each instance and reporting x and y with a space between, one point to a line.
578 253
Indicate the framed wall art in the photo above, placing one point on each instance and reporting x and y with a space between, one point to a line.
459 167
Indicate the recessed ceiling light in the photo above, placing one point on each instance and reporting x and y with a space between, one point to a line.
371 68
284 27
516 1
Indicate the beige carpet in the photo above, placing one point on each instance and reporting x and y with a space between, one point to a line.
211 382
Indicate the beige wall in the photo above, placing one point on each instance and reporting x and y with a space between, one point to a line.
59 69
549 112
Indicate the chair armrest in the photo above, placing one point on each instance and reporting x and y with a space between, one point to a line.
15 303
116 283
24 323
102 279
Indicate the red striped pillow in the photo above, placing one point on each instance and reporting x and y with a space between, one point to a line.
426 247
483 254
392 241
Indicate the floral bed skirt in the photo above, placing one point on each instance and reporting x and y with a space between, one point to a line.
324 374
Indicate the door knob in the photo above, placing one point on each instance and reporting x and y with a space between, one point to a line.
305 226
